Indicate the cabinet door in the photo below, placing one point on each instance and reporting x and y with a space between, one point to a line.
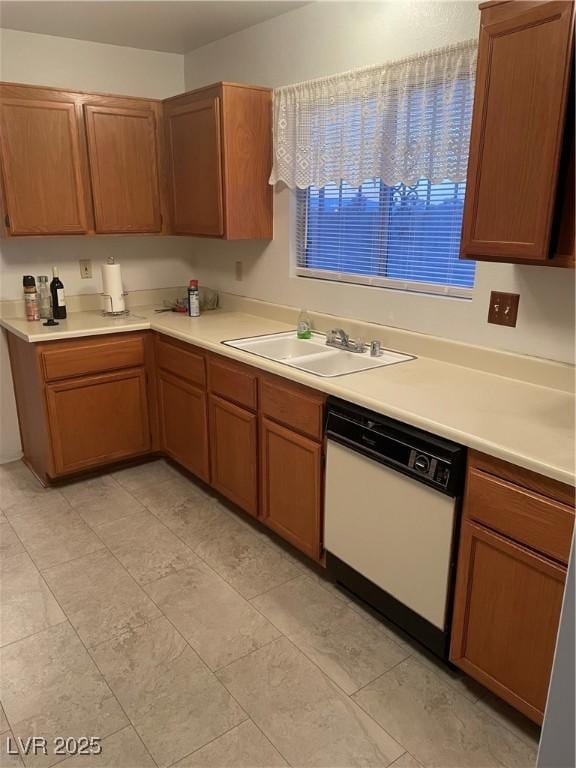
194 147
184 423
122 147
234 453
522 82
98 419
292 486
42 167
506 614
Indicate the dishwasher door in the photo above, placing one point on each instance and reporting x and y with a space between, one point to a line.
391 529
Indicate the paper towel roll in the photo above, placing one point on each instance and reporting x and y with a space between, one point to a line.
112 288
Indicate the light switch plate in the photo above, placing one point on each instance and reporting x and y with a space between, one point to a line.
503 308
85 269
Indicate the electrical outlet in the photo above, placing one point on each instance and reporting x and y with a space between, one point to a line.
503 308
85 269
238 268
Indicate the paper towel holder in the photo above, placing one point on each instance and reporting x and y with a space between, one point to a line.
110 312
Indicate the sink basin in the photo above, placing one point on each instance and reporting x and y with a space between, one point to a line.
312 355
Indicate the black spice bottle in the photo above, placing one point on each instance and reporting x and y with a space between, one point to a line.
58 298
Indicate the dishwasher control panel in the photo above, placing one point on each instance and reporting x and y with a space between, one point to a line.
430 459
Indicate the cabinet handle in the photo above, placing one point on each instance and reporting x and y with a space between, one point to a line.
7 220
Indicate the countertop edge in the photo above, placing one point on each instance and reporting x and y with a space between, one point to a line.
326 385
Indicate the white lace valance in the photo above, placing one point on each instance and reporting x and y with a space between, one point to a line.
399 122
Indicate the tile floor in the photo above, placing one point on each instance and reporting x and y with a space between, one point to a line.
138 608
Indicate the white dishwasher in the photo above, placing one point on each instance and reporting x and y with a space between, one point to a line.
391 515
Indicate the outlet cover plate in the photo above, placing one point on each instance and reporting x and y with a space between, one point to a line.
503 308
85 269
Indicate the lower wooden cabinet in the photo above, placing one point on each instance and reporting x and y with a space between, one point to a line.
234 453
514 544
184 424
505 629
98 419
291 467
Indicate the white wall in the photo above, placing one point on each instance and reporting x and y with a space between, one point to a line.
147 262
62 62
324 38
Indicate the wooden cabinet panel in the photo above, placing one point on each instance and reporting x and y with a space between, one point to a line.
96 420
291 472
543 524
42 167
123 153
523 76
61 360
506 615
247 119
233 381
292 405
234 453
184 424
194 156
178 358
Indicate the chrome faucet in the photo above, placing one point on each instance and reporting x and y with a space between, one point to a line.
338 338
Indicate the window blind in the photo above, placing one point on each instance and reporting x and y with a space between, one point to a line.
404 237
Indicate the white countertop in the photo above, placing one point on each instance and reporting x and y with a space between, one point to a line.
528 425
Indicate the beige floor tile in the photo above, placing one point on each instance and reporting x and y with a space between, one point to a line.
510 718
307 718
8 746
146 548
175 703
406 761
99 597
217 622
245 559
454 677
161 498
341 642
26 604
50 687
101 500
51 530
123 749
10 544
152 473
18 485
196 518
242 747
438 725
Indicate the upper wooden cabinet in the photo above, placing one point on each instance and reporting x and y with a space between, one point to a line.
193 135
42 163
81 163
123 153
513 204
77 163
219 149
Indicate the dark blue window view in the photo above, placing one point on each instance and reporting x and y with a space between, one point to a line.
405 233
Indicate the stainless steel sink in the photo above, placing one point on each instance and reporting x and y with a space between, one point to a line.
312 355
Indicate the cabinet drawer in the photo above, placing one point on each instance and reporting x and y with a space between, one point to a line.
63 361
536 521
294 406
233 381
179 359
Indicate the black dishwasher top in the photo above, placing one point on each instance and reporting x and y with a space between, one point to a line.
427 458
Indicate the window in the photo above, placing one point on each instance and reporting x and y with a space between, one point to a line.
404 237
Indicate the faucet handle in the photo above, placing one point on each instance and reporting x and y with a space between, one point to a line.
375 348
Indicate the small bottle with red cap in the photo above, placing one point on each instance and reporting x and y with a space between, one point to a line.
193 299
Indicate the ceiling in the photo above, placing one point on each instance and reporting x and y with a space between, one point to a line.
176 27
